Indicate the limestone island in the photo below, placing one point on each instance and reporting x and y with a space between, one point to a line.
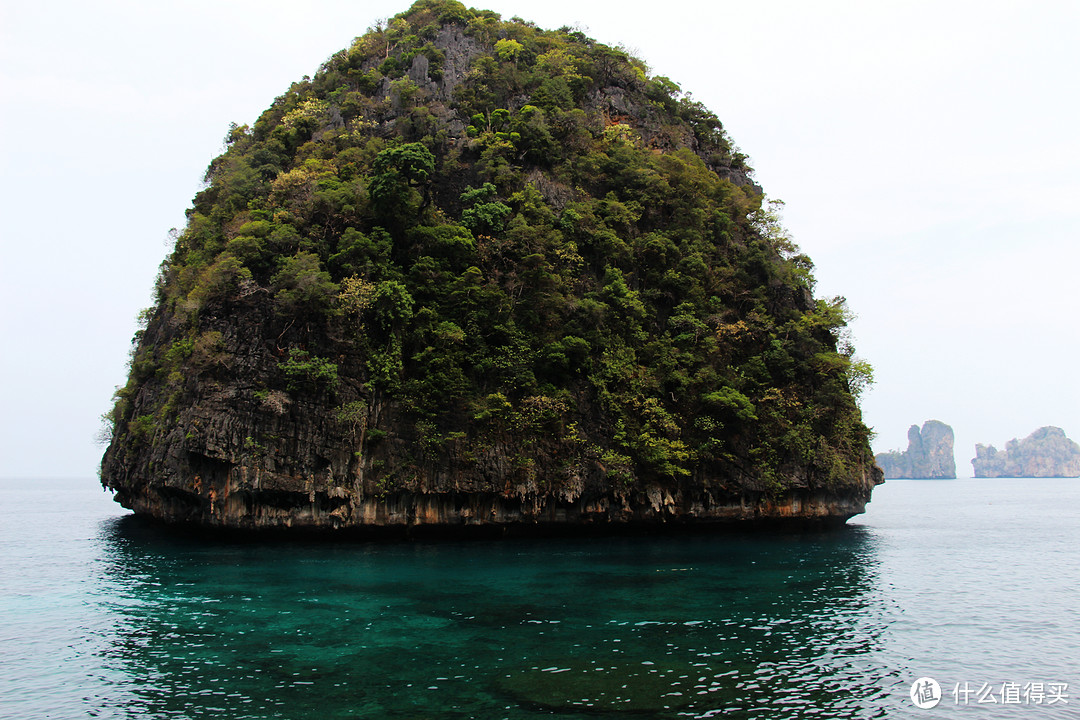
1047 452
477 274
929 454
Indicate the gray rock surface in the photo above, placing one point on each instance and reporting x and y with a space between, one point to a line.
1047 452
929 454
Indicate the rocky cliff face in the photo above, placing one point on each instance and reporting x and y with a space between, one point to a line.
1047 452
929 454
473 273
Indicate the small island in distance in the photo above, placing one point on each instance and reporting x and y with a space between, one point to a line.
1047 452
929 454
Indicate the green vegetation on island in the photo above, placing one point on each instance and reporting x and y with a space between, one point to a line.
473 258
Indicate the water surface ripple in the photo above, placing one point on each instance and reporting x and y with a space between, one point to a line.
965 581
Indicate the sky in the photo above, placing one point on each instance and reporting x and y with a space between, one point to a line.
927 153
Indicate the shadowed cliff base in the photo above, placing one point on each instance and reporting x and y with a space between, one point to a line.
489 515
793 514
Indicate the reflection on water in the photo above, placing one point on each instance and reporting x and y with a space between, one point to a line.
965 581
746 626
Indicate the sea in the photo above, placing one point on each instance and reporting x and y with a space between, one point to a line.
947 598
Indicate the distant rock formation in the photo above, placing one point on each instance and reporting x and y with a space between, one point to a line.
929 454
1047 452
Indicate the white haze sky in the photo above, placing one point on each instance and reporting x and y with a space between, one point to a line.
927 151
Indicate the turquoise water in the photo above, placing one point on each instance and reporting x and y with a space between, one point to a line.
971 582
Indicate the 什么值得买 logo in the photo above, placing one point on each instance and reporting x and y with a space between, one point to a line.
926 693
